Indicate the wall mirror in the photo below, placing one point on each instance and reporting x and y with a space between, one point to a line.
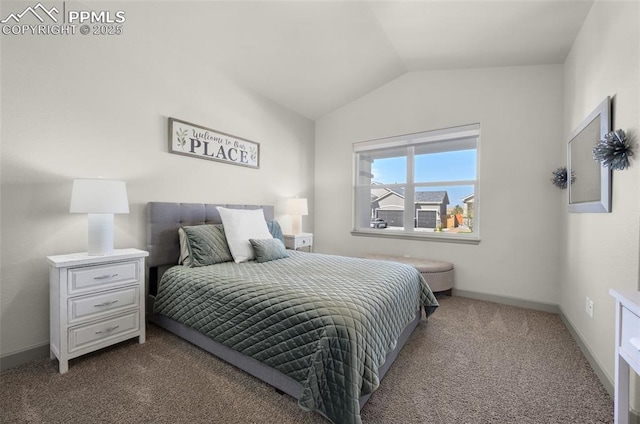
591 190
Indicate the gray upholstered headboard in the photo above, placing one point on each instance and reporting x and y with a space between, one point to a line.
163 221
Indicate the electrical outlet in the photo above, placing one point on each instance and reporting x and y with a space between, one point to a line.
589 307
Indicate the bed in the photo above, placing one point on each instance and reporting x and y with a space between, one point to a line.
322 328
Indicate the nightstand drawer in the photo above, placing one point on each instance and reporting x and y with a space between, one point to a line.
102 276
103 331
304 241
297 241
630 337
91 306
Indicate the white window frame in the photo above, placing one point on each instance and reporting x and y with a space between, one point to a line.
454 135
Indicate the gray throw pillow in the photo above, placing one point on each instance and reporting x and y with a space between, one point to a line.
266 250
207 245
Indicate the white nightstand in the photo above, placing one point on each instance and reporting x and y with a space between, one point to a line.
297 241
95 301
627 348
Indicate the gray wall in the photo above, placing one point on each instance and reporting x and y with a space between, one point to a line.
97 107
601 251
520 112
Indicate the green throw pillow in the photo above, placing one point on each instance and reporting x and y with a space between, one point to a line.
266 250
207 245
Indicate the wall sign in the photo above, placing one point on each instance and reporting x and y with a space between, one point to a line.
205 143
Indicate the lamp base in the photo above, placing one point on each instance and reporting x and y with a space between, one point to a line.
100 234
296 224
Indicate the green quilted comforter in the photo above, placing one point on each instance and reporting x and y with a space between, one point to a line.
326 321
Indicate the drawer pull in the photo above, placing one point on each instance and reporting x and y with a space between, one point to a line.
107 330
635 342
105 277
107 303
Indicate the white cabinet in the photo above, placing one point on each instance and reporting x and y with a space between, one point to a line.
297 241
627 348
95 301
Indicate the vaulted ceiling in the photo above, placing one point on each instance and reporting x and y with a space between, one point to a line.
315 56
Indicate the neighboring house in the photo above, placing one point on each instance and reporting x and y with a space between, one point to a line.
430 207
468 209
388 205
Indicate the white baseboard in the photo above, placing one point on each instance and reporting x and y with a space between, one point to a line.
23 356
595 365
506 300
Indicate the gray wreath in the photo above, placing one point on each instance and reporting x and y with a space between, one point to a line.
560 177
614 151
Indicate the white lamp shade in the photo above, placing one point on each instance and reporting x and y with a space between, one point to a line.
297 207
99 196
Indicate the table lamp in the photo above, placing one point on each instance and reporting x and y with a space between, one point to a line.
296 208
100 199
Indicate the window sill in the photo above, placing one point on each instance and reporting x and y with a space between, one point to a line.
419 237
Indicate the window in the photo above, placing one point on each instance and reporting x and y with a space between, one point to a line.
419 185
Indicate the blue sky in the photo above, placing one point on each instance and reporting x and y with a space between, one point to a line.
434 167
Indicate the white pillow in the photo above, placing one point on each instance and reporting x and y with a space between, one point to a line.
240 225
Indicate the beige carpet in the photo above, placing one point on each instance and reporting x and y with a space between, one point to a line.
473 362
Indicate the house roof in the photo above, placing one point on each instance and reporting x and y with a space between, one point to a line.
468 198
432 197
382 192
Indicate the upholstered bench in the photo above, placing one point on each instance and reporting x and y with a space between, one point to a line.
438 274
